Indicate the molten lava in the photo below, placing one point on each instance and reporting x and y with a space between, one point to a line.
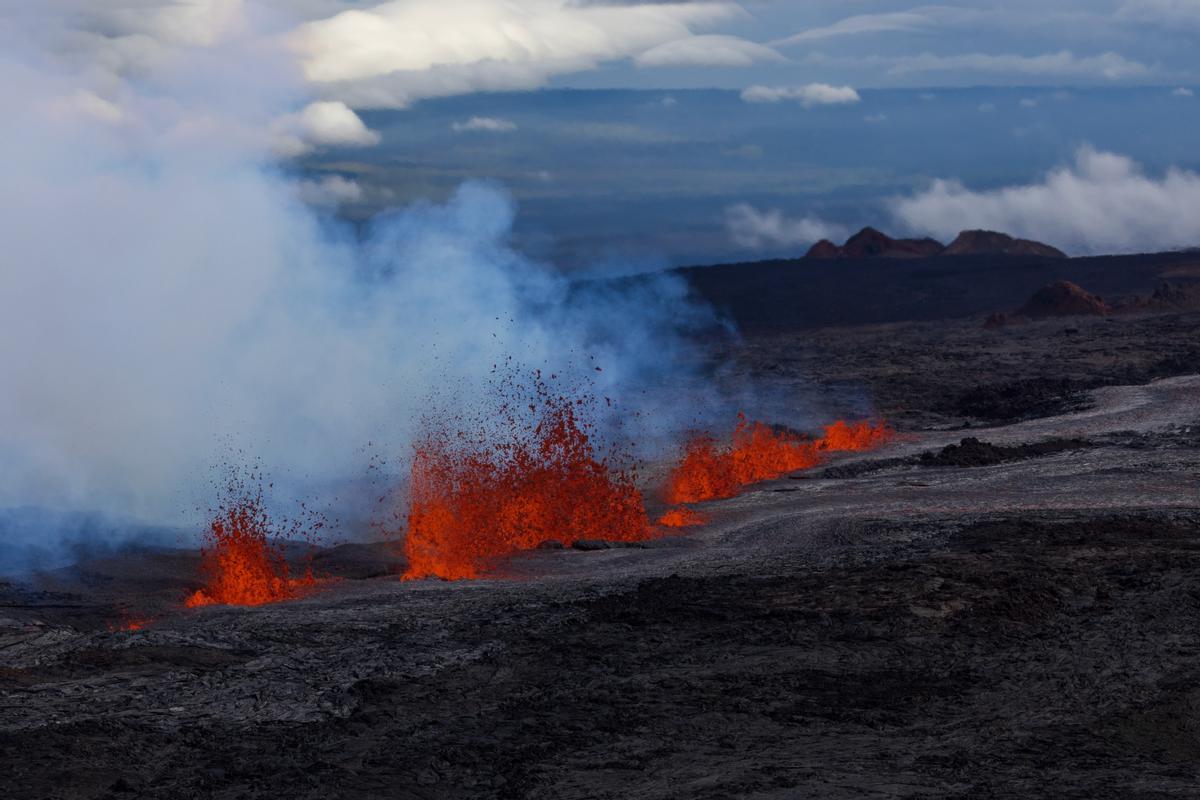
855 437
682 517
240 564
759 452
475 498
130 624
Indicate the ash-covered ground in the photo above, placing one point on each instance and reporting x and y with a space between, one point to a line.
1017 616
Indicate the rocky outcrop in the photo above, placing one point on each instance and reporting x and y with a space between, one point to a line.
1063 299
1167 298
980 243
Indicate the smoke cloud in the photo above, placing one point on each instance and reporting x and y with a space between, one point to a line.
167 296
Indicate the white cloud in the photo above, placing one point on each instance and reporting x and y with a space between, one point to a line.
392 54
723 51
757 230
1103 203
1183 91
326 123
862 24
1028 102
331 190
1065 63
487 124
810 95
333 123
875 119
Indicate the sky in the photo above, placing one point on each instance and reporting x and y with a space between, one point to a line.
1066 119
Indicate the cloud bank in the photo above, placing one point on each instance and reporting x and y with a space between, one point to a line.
1102 203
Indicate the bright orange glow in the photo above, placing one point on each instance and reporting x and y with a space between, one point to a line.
241 565
759 452
682 518
476 498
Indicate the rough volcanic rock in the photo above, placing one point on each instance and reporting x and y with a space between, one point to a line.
997 320
979 243
1173 296
590 545
971 452
1020 399
1167 298
1063 299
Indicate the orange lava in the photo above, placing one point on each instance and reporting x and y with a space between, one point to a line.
682 518
475 498
855 437
240 564
759 452
130 624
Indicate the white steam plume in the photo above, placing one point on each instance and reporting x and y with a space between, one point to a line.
165 294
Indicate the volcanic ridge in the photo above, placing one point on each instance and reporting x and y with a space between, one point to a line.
871 243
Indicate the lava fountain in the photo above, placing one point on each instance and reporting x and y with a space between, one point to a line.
240 561
538 476
759 452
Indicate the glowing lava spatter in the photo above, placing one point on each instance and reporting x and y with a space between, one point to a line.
475 497
758 452
240 563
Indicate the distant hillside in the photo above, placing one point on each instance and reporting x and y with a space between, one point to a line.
978 243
